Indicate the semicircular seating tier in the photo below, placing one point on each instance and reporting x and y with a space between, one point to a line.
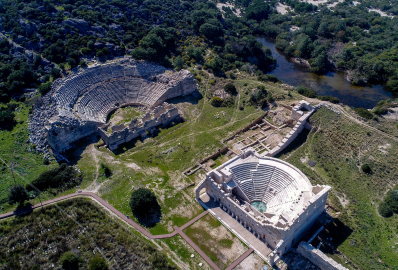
273 183
95 92
78 104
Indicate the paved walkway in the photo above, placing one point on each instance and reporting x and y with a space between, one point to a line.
177 230
240 259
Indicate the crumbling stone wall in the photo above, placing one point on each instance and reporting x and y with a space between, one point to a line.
159 116
318 258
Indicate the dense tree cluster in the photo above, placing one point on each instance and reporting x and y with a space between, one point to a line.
347 37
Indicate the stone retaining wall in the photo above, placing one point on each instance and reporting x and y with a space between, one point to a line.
302 123
318 258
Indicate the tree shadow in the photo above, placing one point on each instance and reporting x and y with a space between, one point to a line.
23 210
150 219
334 234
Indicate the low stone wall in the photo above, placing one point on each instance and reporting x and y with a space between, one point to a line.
245 128
160 115
318 258
300 125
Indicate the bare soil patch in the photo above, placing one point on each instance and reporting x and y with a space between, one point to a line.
216 241
253 262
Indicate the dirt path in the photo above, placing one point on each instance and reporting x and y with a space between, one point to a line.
348 115
177 230
93 187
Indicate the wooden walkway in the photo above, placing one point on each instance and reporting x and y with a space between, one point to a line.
177 230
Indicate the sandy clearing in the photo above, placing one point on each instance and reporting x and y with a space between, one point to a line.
281 8
382 13
237 12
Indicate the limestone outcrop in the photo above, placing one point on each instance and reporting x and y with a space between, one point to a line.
79 104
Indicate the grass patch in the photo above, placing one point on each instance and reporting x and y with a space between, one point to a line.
43 236
340 146
219 244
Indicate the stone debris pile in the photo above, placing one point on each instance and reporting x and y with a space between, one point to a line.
78 104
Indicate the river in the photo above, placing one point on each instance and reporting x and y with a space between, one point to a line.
330 84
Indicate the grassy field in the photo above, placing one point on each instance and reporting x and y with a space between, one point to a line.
340 146
41 237
216 241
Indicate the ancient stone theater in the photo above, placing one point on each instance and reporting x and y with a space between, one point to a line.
78 105
270 198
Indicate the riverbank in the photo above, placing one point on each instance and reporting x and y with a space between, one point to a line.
334 83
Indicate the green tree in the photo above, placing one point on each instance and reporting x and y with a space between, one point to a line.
44 88
366 168
364 113
72 62
216 101
82 63
98 263
18 194
178 63
393 85
323 29
230 89
385 210
69 261
258 10
212 29
143 202
7 117
56 73
320 63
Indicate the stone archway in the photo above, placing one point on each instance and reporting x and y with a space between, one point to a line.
205 196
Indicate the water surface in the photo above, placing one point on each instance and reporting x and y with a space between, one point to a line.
330 84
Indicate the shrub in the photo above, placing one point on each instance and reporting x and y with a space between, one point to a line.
392 85
364 113
269 77
69 261
379 110
334 100
230 88
366 168
17 194
385 210
82 63
216 101
98 263
143 202
7 116
270 98
44 88
178 63
392 200
306 92
105 170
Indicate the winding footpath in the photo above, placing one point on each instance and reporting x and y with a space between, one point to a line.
177 230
